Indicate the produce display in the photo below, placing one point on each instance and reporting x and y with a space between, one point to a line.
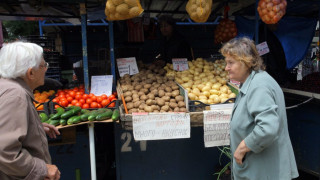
151 91
75 115
199 10
225 31
271 11
205 81
42 97
122 9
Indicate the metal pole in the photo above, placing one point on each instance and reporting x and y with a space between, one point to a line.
84 46
40 28
113 64
92 152
256 23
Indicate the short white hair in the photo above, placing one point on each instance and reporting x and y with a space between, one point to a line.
17 57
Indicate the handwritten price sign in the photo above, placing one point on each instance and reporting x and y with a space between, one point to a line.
263 48
180 64
127 66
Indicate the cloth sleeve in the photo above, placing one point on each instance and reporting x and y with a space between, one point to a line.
263 108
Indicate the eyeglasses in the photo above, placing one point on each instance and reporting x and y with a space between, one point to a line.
45 65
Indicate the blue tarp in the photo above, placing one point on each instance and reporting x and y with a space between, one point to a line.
294 33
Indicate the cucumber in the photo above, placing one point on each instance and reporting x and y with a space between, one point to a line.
72 112
93 115
76 120
56 116
84 117
50 116
63 122
84 111
105 115
43 117
70 120
115 115
55 122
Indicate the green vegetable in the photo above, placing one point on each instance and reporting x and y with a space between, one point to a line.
72 112
105 115
115 115
55 122
56 116
43 117
63 122
84 111
76 120
70 120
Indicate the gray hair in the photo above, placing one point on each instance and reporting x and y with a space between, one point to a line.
17 57
243 49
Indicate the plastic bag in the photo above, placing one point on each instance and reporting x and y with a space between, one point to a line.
271 11
225 31
199 10
122 9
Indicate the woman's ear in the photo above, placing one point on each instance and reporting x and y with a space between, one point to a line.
30 74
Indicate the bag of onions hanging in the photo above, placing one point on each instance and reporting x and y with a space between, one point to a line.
199 10
122 9
225 31
271 11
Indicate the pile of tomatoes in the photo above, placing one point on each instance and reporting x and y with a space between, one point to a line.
77 97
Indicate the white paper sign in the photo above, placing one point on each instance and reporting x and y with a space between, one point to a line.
216 125
101 85
156 126
127 66
262 48
180 64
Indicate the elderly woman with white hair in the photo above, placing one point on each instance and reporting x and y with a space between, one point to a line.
24 152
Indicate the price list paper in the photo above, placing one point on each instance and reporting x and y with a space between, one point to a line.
101 85
216 125
127 66
262 48
157 126
180 64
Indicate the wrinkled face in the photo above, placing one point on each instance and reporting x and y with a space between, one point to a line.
166 29
40 73
237 70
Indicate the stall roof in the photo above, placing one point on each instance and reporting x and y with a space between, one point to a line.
69 9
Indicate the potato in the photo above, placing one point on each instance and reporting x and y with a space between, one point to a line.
155 107
140 93
155 92
175 87
150 96
144 90
132 110
165 108
166 98
142 105
148 109
166 103
182 109
129 105
162 111
128 99
144 97
138 87
173 105
179 98
135 100
160 102
135 96
161 93
136 104
168 89
173 100
147 86
176 109
150 102
175 93
141 110
128 93
181 104
168 94
149 81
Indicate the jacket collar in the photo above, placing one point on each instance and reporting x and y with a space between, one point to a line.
25 86
245 86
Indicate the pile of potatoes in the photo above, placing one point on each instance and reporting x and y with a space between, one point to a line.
205 81
151 92
122 9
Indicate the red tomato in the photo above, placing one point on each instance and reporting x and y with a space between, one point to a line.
74 102
56 106
90 95
89 101
85 106
63 99
85 96
72 94
82 101
99 105
78 104
105 102
111 97
70 105
94 98
78 96
76 89
61 96
56 100
80 93
99 99
104 96
64 103
112 105
69 99
94 105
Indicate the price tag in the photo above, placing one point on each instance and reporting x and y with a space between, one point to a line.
156 126
216 125
101 85
127 66
262 48
180 64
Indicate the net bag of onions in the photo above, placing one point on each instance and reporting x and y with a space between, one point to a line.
122 9
271 11
199 10
225 31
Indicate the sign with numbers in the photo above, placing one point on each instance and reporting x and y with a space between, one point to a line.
101 85
180 64
127 66
263 48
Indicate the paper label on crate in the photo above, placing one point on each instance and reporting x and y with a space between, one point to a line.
216 127
127 66
157 126
101 85
262 48
184 93
180 64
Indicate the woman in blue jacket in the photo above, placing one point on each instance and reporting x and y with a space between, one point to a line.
260 141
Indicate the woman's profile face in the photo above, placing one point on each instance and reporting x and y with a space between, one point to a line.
166 29
237 70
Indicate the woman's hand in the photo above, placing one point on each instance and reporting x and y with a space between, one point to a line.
240 152
51 130
53 172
